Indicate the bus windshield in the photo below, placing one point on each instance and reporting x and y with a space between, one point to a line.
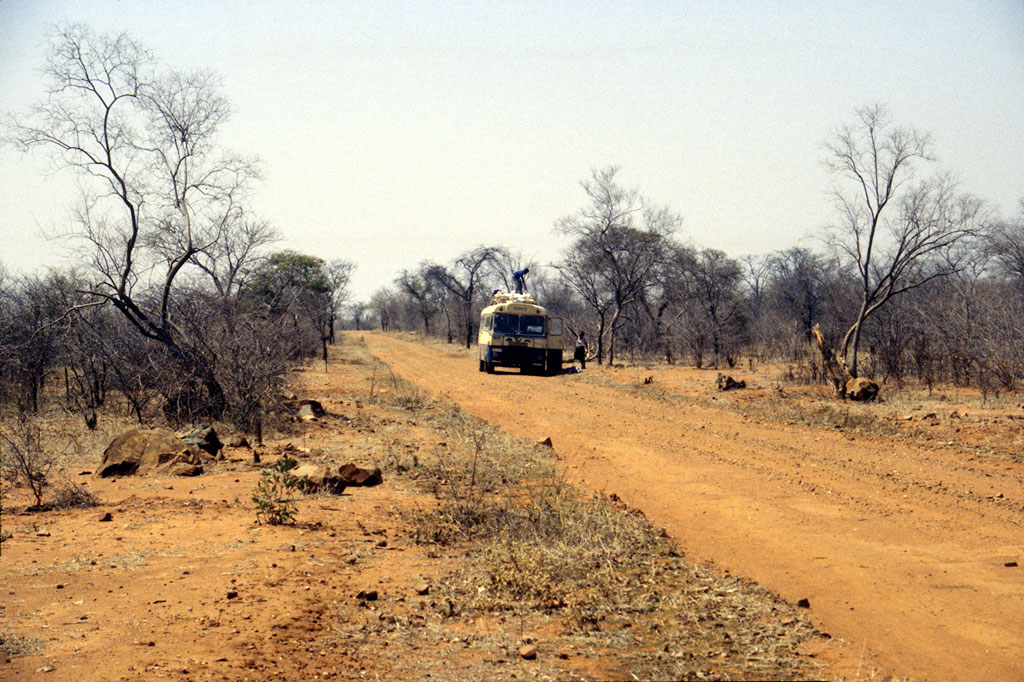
515 325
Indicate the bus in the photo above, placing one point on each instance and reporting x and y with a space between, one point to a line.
515 331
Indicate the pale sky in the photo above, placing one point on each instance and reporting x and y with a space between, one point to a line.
393 132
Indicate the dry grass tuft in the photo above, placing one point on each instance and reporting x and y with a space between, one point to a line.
14 645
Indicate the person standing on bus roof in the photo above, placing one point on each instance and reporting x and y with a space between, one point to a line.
519 279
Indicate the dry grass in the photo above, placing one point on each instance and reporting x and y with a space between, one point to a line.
535 548
908 414
12 644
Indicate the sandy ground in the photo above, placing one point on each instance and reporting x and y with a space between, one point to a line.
904 546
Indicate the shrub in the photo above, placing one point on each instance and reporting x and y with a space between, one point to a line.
274 505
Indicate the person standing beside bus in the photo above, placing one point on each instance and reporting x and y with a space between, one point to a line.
580 354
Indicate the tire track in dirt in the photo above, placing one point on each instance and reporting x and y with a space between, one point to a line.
899 549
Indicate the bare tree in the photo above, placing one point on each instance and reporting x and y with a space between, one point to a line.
464 280
796 285
422 291
143 141
382 303
620 241
1006 245
893 233
31 325
715 286
235 242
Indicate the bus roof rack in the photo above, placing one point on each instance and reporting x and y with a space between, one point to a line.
506 297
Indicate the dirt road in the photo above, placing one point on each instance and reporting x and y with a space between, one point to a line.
901 550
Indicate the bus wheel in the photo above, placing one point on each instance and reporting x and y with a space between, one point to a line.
489 367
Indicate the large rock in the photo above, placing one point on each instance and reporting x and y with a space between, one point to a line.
354 476
202 437
727 383
319 478
330 478
861 389
150 452
306 409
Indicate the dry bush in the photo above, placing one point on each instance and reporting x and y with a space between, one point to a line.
36 451
24 458
14 645
69 494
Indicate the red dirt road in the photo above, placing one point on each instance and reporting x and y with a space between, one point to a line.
900 548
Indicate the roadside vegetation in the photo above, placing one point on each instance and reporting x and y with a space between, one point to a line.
527 553
536 549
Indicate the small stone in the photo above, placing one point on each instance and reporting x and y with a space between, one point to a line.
232 594
367 595
545 443
106 518
804 603
1010 564
422 588
45 669
528 652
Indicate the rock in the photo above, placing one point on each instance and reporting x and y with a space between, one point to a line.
422 588
528 652
185 469
305 408
319 478
203 437
354 476
804 603
727 383
545 443
106 517
147 452
367 595
239 442
1010 564
861 389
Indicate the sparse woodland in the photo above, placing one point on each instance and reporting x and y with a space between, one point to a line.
914 280
179 307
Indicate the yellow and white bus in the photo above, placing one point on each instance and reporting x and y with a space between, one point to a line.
515 331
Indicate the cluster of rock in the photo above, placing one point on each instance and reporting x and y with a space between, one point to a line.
158 452
149 452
